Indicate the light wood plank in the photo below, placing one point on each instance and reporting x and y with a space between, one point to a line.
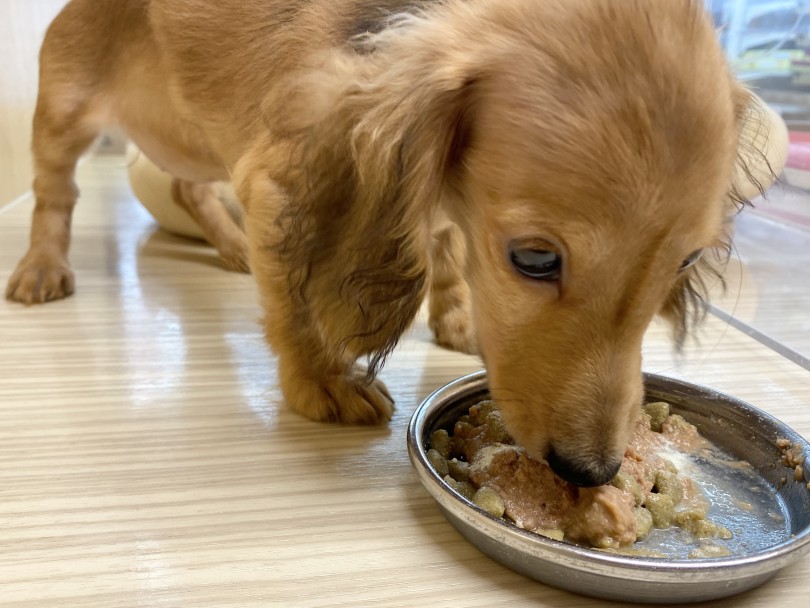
769 278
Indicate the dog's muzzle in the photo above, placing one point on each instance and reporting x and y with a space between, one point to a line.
581 474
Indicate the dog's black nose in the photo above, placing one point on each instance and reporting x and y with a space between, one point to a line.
584 475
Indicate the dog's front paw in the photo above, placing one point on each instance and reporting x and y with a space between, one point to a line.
40 278
346 398
453 329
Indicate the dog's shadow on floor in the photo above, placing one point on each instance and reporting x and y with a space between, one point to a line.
162 245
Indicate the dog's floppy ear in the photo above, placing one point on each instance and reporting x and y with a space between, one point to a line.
371 152
762 146
753 173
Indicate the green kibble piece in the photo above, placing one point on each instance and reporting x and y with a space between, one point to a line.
457 446
669 484
662 509
724 533
489 500
497 430
552 533
440 441
438 462
485 407
704 528
480 411
644 522
676 422
459 470
706 551
689 519
658 413
462 429
466 489
602 542
695 522
628 483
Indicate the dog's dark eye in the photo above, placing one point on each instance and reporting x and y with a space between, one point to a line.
537 263
691 260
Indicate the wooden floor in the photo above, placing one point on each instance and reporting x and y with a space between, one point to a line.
775 271
146 459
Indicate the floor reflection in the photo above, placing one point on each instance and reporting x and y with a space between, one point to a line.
776 257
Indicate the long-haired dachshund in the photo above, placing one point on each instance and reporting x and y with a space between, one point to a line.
547 171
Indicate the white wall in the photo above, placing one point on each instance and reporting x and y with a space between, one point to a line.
22 26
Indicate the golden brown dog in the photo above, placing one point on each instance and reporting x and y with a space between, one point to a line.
548 170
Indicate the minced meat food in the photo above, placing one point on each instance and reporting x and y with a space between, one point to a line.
481 461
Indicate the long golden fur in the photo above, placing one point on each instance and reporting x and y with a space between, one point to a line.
386 150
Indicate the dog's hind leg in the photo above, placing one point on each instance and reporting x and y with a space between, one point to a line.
203 204
450 316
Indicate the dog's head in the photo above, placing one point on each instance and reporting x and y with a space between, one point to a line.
596 177
584 147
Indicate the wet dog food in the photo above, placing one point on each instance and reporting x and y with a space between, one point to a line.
479 460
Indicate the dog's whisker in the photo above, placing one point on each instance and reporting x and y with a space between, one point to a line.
732 251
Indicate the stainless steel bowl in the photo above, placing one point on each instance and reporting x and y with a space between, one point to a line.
736 427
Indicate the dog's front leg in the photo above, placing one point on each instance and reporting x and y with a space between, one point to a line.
61 135
318 375
450 317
